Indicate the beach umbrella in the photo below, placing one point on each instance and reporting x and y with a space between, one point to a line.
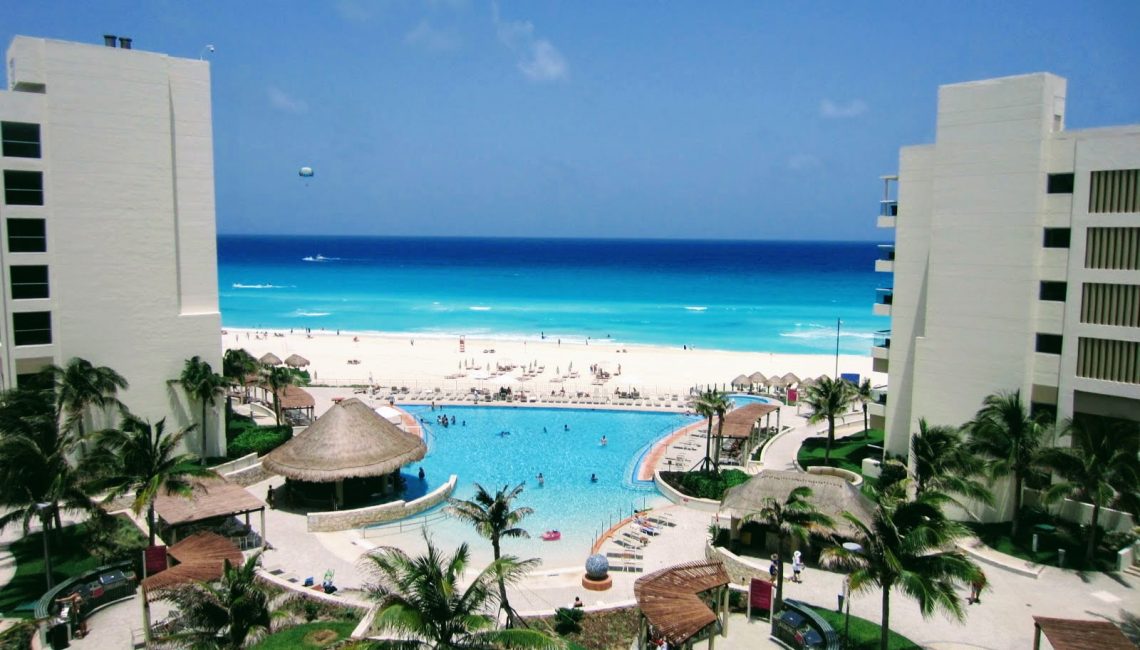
776 381
270 359
741 380
757 378
296 361
790 379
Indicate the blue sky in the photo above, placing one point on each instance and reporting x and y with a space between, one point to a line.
757 120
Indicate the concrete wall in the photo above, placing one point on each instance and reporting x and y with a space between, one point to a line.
320 522
127 159
740 569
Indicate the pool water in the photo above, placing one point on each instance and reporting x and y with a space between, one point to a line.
504 446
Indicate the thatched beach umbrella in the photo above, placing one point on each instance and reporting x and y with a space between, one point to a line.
831 495
790 379
270 359
776 381
741 381
758 378
349 443
296 361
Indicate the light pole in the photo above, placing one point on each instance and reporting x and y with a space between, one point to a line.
853 548
837 322
45 511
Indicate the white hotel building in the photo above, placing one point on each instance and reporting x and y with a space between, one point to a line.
1015 265
107 237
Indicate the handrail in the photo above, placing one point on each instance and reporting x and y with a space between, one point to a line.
830 636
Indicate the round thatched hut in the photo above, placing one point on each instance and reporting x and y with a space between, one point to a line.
270 359
349 457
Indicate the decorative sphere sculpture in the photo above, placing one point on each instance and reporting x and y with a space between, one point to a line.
597 567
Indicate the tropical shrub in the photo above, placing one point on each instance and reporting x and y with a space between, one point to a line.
705 486
568 620
261 440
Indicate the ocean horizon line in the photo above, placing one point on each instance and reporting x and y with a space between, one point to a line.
524 238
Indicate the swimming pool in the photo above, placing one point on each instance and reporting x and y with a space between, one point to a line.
497 446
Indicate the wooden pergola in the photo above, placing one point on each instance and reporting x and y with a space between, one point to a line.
740 423
1068 634
675 604
211 499
294 398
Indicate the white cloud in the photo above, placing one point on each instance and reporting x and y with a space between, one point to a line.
538 59
853 108
431 39
283 102
802 162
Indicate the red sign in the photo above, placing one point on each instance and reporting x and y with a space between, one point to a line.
155 559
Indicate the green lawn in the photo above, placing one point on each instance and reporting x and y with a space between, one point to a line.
846 453
307 635
864 633
70 557
1064 535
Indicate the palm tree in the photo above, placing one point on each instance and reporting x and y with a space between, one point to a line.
795 518
827 399
238 365
278 377
709 404
421 600
944 462
1101 467
34 465
228 614
863 394
493 518
143 458
201 383
903 548
80 385
1005 433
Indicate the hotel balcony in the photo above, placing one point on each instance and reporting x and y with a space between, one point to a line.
881 351
888 206
886 261
878 404
883 302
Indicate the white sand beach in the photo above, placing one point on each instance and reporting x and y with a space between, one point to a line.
419 363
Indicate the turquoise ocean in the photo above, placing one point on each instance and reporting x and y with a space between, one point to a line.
763 296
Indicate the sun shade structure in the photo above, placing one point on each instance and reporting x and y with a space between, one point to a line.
212 499
1068 634
296 361
741 381
790 378
350 442
201 558
270 359
672 607
757 378
740 424
831 495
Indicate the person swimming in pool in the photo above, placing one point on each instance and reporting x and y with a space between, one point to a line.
541 479
593 478
604 442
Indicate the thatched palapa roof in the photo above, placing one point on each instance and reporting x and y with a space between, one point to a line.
831 495
669 598
738 423
270 359
213 497
296 361
292 397
777 381
201 558
349 441
790 378
741 380
757 378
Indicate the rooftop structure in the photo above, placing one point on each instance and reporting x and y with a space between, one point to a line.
107 237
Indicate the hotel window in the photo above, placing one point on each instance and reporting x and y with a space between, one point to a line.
29 282
1053 290
1116 190
1060 183
23 188
1056 238
31 328
27 236
1049 343
21 139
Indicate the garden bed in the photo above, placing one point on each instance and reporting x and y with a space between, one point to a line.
307 635
1052 534
864 634
846 453
705 485
612 629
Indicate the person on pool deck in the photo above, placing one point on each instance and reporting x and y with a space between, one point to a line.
578 603
593 478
